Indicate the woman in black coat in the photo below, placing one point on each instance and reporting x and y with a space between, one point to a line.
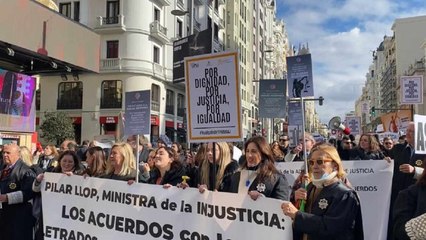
168 171
409 212
258 175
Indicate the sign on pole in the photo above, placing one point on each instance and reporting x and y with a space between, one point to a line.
272 98
300 81
354 124
193 45
365 107
213 98
137 116
412 89
295 116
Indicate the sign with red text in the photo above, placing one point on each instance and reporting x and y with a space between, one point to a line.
95 208
213 98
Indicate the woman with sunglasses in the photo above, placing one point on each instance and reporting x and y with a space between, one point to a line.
258 175
332 210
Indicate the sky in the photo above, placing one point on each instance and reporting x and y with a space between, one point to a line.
341 35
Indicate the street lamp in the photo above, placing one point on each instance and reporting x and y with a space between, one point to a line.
178 12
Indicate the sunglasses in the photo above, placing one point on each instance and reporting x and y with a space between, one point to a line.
388 143
347 142
283 140
318 161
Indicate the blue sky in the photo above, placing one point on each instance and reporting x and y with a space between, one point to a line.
341 35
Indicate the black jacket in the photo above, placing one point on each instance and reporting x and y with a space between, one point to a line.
16 220
230 169
172 177
274 187
335 215
360 154
409 204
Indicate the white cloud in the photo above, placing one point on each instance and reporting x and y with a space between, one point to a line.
341 36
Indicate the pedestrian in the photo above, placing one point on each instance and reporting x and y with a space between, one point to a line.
332 210
409 214
407 168
16 219
258 175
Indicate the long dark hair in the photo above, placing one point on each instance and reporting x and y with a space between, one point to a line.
266 167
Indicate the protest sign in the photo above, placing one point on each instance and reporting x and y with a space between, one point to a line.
213 98
372 180
94 208
137 117
420 134
412 89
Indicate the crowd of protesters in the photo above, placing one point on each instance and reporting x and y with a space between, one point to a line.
210 167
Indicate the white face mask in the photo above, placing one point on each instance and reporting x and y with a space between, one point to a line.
319 183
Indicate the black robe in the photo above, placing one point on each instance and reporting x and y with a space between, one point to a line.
409 204
335 215
16 220
400 180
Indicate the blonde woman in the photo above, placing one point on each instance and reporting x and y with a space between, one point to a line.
332 209
121 164
26 156
48 161
215 173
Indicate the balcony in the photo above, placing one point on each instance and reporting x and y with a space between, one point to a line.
155 106
197 25
113 24
180 4
170 109
221 23
218 45
163 2
110 103
159 32
69 104
199 2
158 70
181 112
110 64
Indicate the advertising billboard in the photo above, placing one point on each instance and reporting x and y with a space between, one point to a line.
17 105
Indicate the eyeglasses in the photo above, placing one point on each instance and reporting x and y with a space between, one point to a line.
283 140
388 143
319 161
347 142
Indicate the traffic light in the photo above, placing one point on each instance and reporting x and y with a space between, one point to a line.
373 111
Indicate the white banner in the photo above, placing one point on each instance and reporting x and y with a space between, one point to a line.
419 134
102 209
372 179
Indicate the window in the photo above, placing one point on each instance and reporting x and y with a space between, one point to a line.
156 54
155 97
77 11
112 49
157 14
65 9
170 100
111 94
180 105
113 10
70 95
179 30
